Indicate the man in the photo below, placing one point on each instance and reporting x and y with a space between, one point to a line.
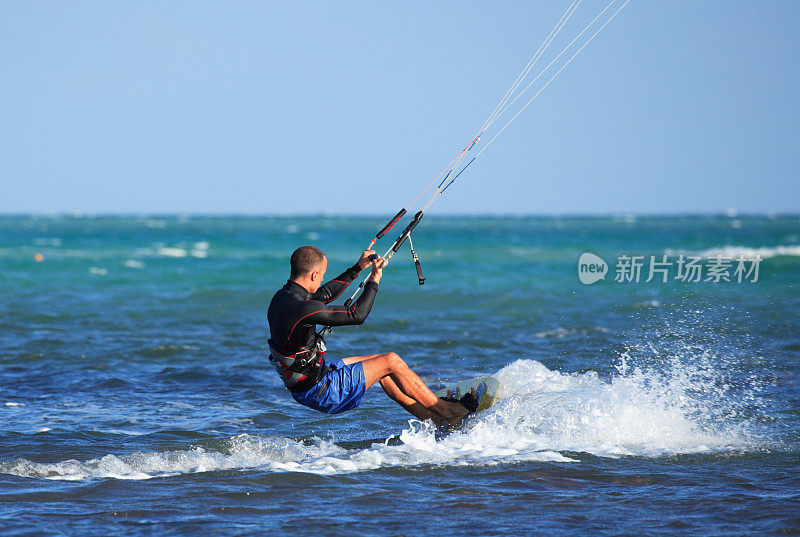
297 350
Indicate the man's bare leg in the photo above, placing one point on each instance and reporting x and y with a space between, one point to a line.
405 387
397 395
412 406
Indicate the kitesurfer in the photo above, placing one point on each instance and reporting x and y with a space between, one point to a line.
297 350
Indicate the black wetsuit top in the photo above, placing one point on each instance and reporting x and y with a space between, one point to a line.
294 313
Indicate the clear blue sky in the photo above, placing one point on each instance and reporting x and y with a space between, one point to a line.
350 107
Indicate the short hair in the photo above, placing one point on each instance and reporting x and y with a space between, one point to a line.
306 259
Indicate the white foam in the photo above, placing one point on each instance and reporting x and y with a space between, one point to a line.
134 264
167 251
280 455
543 415
637 413
98 271
747 252
750 253
12 404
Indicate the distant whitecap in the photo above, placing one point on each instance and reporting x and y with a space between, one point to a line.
172 252
748 252
134 264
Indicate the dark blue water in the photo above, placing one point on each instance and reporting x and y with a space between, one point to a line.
135 397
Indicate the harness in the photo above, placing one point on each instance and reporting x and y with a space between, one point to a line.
302 369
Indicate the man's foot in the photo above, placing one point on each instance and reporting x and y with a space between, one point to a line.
472 399
469 401
451 411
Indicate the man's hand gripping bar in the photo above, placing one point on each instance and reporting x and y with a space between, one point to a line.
396 246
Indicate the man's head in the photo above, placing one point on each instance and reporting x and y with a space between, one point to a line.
308 265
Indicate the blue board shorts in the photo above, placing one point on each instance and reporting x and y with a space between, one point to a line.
340 389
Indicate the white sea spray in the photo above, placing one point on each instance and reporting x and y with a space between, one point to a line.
542 415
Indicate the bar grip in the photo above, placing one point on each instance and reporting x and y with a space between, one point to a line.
406 232
419 271
391 224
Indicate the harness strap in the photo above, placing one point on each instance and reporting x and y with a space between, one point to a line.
300 370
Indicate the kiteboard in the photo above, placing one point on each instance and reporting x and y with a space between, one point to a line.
485 390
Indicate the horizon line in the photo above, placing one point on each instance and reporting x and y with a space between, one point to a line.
729 213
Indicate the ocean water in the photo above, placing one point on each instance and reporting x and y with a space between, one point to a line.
136 399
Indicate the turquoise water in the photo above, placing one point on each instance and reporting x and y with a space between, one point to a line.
136 398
